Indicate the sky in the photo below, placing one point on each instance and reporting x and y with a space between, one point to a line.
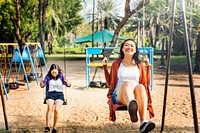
88 7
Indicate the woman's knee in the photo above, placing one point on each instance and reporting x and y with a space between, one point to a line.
140 89
49 108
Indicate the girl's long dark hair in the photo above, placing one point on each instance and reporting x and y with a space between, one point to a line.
54 66
135 56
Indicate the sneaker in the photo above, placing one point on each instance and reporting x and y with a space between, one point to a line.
147 127
46 129
132 109
54 130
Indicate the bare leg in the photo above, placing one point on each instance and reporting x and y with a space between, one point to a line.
141 97
58 104
50 104
125 93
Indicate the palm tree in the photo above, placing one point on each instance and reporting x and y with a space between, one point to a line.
109 14
106 15
62 17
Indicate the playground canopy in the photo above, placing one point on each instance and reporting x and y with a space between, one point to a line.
100 36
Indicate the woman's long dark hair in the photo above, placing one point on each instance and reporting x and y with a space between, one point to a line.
54 66
135 56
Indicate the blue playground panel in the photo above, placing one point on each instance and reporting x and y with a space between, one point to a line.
26 54
18 59
96 50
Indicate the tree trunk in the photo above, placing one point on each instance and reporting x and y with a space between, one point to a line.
167 45
151 39
128 14
16 23
157 30
162 63
41 14
50 42
166 29
197 58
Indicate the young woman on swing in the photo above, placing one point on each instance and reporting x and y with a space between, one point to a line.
54 81
127 83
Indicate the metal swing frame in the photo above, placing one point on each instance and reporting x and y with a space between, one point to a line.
187 50
16 53
26 55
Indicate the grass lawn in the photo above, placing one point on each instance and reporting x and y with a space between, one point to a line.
175 60
75 56
67 56
4 131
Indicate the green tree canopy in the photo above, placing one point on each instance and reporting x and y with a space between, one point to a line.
19 19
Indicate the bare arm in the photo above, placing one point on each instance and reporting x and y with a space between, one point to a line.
106 73
67 82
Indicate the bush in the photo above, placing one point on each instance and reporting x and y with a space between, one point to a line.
75 50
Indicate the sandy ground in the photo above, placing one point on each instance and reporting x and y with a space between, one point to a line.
87 109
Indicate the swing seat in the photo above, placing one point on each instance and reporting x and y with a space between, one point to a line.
122 108
97 84
12 85
44 102
64 103
39 75
31 77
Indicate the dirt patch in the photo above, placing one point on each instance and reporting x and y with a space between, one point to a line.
87 109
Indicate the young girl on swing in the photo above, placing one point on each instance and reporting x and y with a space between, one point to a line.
127 83
54 81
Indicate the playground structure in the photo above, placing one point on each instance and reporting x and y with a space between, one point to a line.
6 64
187 50
19 60
32 51
97 51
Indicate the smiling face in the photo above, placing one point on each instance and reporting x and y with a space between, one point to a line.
54 72
129 48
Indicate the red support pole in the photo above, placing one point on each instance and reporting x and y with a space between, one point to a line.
3 104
